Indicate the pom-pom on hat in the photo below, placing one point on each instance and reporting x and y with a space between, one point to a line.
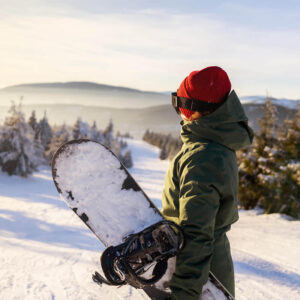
211 84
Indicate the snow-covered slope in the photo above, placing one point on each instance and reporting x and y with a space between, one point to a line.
47 253
265 250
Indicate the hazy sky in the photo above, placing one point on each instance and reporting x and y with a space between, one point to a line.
152 45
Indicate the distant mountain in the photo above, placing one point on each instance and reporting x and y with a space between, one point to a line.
291 104
96 94
136 121
84 85
82 93
131 110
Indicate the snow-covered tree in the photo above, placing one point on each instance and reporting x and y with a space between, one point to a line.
257 162
108 134
59 137
169 145
289 185
81 130
290 137
93 132
19 153
268 126
44 132
32 121
127 159
163 153
269 170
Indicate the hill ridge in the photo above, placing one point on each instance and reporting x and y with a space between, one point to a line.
76 84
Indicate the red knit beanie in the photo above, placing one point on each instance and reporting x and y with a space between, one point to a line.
211 84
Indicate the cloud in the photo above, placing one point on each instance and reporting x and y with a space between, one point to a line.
150 50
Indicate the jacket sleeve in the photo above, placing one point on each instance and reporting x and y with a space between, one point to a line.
199 204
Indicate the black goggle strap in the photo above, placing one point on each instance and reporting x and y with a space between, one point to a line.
192 104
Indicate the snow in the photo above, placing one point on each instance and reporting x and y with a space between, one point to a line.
48 253
266 256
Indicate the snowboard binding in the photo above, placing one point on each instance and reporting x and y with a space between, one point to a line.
132 261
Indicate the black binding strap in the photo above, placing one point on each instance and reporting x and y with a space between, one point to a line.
193 104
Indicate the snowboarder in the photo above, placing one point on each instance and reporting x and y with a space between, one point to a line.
201 185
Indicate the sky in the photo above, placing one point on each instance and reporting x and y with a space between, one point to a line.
152 45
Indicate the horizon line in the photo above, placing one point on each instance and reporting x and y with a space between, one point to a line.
125 87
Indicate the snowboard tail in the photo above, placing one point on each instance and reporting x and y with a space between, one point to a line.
128 262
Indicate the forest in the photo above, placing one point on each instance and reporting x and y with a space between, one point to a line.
27 144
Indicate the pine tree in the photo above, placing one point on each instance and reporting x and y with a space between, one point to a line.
44 132
76 129
169 145
123 144
290 137
60 137
99 137
108 135
268 127
32 120
256 164
163 153
19 153
81 130
94 132
270 170
127 159
288 186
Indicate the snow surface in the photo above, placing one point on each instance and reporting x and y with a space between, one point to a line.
93 175
46 252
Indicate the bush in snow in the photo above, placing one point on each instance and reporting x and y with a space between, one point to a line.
20 154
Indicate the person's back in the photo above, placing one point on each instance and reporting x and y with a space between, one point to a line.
201 186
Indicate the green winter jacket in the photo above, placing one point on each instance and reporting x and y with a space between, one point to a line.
200 191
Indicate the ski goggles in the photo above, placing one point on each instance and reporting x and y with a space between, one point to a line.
193 104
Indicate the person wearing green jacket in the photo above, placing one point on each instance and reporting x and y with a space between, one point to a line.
201 185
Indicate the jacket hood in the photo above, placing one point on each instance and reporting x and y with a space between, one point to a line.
227 125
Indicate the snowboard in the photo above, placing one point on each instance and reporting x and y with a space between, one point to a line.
141 245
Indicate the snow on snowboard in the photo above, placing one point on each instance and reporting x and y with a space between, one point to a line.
141 244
